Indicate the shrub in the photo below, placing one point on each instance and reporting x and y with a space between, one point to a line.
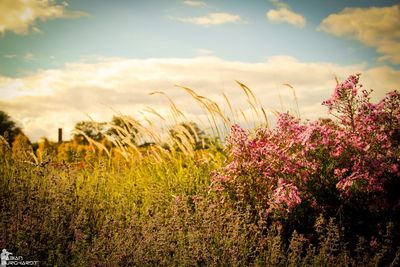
347 168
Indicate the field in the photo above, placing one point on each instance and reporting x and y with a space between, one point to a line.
301 193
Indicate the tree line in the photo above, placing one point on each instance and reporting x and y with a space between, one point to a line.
121 130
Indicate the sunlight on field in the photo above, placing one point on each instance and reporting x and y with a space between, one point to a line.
199 133
123 193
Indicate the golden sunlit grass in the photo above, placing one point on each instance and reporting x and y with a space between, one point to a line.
116 203
216 124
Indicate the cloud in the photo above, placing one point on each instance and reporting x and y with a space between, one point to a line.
49 99
377 27
195 3
204 52
20 16
29 57
283 13
212 19
10 56
280 4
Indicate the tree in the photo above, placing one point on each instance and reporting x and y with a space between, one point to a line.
124 129
8 128
88 129
189 132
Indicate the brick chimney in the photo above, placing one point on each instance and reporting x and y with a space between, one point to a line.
59 135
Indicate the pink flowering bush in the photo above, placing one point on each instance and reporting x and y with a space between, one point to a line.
347 168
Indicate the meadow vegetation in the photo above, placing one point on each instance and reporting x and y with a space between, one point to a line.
124 193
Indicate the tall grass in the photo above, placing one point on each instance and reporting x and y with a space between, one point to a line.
135 206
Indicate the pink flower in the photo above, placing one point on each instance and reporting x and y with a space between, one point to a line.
352 154
373 243
394 168
284 198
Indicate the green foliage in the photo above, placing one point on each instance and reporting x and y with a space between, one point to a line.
88 129
8 128
124 129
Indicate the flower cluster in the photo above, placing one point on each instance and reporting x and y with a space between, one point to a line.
319 164
284 198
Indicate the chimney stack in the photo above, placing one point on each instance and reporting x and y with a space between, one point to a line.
59 135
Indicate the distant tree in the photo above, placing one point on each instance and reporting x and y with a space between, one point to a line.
93 130
8 128
189 132
147 144
124 129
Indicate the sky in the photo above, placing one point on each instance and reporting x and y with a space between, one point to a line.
66 61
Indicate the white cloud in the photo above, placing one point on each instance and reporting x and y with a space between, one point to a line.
283 13
286 15
377 27
49 99
20 16
204 52
194 3
212 19
10 56
29 57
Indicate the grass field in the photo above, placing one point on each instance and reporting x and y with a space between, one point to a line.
123 205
